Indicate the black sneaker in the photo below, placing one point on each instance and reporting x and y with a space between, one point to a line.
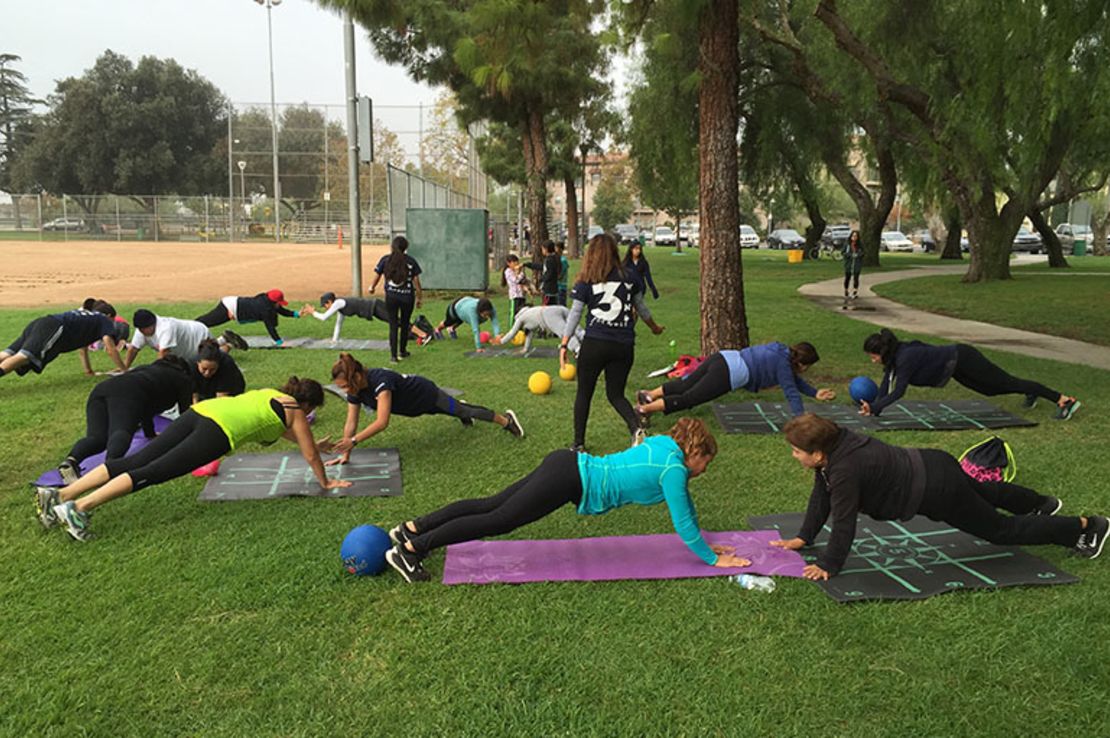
1068 409
1050 506
643 397
70 471
407 564
513 425
467 422
236 340
400 535
1093 537
1029 402
578 448
394 360
405 354
638 437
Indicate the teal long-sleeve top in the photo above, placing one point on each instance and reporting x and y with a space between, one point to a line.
467 309
653 472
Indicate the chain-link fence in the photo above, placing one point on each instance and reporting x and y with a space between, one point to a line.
409 190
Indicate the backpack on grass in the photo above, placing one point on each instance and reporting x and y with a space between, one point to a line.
991 460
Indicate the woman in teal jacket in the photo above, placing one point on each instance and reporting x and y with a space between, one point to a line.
655 471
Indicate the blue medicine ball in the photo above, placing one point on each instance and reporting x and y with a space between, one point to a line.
363 550
863 389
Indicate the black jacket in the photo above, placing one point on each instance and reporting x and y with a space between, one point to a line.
862 474
644 270
261 308
916 363
549 277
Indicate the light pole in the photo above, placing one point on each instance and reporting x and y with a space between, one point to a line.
273 116
242 185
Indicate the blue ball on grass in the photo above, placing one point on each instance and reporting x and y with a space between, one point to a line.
863 389
363 550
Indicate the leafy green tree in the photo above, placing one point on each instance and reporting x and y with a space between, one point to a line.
150 128
613 201
16 122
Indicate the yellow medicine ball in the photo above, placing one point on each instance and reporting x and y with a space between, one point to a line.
518 339
539 383
567 372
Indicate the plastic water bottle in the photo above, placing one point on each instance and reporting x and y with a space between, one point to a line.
754 582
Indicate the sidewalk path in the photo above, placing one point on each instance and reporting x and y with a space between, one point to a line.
898 317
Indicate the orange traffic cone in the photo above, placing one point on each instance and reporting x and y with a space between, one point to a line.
340 238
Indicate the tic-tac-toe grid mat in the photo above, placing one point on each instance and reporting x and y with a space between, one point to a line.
770 417
660 556
536 352
375 472
53 479
918 558
324 344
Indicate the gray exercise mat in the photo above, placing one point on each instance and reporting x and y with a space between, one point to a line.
343 395
375 472
324 344
917 558
770 417
536 352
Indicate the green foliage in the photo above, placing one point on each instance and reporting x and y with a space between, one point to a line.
149 128
613 203
16 127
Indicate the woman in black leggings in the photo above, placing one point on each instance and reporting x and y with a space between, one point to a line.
402 294
607 292
204 433
119 406
855 474
924 365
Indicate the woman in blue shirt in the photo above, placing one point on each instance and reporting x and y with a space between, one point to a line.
657 470
923 365
606 292
751 369
402 294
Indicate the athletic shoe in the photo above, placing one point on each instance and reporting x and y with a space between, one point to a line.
407 564
578 448
405 354
394 360
424 340
453 333
1029 402
638 436
643 397
69 471
45 500
400 535
514 426
467 422
1068 409
1093 537
437 335
236 340
75 521
1050 506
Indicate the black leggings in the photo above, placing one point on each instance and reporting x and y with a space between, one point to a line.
216 316
615 359
554 483
518 305
191 441
852 276
955 498
976 372
448 405
708 382
110 422
400 313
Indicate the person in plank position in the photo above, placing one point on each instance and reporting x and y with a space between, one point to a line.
552 318
49 336
264 307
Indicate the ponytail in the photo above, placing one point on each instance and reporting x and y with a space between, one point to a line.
304 391
352 372
397 267
208 350
803 355
693 437
509 260
885 344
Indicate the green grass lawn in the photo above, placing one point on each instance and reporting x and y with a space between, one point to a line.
1074 302
237 618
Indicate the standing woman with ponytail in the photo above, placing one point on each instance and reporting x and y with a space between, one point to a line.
658 470
606 292
402 294
853 265
204 433
924 365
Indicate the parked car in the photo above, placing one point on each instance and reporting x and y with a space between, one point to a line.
836 235
785 238
693 234
664 236
594 230
64 224
925 240
896 241
1068 232
627 233
749 239
1027 240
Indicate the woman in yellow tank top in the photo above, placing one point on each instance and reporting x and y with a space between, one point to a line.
204 433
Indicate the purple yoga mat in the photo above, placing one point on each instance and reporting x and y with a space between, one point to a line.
606 559
53 479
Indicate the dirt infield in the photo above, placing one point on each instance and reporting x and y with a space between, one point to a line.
35 274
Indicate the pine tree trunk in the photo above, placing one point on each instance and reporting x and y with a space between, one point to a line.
723 319
535 169
572 217
1051 241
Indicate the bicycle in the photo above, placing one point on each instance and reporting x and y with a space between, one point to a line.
826 251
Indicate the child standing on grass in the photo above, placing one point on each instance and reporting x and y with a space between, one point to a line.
855 474
564 273
513 277
657 471
549 276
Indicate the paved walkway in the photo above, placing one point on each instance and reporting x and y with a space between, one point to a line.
898 317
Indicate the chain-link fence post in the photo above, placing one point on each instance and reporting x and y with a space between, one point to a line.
39 198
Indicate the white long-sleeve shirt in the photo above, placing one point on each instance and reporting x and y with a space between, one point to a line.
552 318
